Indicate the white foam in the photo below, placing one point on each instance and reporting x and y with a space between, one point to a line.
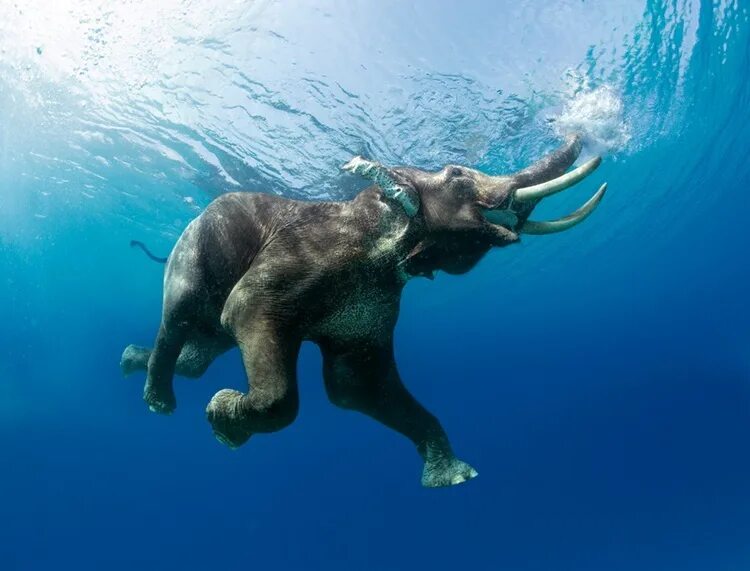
597 114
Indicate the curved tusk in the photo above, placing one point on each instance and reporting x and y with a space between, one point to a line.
562 224
544 189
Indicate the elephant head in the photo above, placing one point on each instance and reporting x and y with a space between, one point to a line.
463 212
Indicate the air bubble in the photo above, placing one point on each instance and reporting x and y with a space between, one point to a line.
596 114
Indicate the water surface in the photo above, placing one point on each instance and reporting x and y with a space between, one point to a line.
599 380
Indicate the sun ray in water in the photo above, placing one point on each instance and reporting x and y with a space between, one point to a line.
598 378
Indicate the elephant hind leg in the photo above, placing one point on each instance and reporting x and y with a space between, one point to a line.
134 358
195 357
198 354
158 391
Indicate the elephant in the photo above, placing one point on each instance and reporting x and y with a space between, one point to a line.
264 273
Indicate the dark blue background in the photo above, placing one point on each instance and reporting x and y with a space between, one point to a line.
599 381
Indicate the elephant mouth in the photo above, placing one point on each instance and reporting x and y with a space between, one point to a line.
513 212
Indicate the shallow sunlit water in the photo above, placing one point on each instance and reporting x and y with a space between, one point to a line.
598 379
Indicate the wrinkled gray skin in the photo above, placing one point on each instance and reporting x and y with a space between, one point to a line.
265 273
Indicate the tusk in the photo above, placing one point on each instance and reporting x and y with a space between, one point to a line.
562 224
544 189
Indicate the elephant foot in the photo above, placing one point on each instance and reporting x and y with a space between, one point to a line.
134 358
226 418
159 401
446 472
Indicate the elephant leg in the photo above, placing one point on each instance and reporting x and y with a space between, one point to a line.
365 379
134 358
269 354
198 354
195 357
158 391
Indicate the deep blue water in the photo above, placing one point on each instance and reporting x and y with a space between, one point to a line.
599 380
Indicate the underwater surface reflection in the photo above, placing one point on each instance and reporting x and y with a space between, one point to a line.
598 380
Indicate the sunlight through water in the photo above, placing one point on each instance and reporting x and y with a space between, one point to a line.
598 378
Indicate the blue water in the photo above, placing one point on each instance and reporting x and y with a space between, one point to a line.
599 379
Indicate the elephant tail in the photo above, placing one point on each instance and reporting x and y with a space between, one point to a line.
142 246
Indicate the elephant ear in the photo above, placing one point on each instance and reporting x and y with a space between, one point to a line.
391 183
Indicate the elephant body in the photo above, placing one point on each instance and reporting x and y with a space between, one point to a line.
265 273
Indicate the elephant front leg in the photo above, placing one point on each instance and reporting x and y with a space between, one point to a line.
365 379
269 354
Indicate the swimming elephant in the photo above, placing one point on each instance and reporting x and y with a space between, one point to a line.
266 273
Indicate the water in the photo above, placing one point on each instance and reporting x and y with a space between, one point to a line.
598 379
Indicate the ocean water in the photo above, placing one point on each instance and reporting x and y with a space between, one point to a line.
599 379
